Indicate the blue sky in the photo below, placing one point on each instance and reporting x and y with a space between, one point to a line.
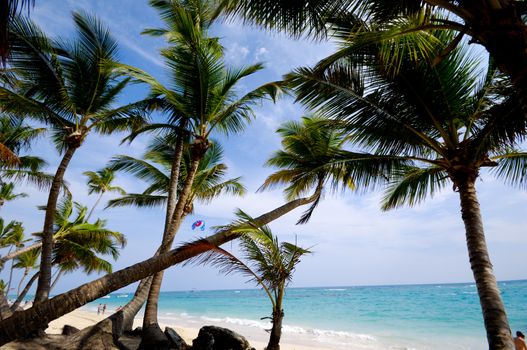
354 242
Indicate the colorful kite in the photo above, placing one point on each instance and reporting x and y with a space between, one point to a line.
199 224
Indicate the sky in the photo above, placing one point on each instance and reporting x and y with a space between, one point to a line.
353 241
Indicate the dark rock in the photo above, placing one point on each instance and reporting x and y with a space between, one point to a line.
204 341
69 330
176 342
222 339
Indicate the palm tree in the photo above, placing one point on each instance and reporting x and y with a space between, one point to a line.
265 260
14 239
7 193
33 318
12 236
155 169
445 123
78 245
495 24
65 84
77 242
194 110
101 182
26 261
64 303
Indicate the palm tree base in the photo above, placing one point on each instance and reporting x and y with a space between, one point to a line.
153 338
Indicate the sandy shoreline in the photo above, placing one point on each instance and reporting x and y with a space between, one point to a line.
82 318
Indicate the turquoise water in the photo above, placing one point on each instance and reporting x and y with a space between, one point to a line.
442 316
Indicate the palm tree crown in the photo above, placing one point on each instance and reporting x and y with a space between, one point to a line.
443 123
155 170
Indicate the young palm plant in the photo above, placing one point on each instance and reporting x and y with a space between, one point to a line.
445 123
66 85
265 260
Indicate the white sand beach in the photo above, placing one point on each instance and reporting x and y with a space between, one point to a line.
82 318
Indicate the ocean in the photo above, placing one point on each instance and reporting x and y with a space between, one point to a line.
436 316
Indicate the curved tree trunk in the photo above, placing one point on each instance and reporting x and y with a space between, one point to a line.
44 281
19 252
131 309
94 206
23 323
26 272
26 289
494 315
150 322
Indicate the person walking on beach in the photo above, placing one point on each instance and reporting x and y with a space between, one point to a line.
519 341
104 310
99 308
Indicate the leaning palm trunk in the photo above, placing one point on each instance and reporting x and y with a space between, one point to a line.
24 292
198 149
44 281
25 322
494 315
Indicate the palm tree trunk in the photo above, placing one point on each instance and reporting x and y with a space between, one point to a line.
44 281
494 315
276 330
26 272
174 180
94 206
18 252
10 274
197 150
25 322
26 289
61 271
132 308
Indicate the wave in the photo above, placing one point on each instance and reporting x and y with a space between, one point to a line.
335 289
123 296
291 329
